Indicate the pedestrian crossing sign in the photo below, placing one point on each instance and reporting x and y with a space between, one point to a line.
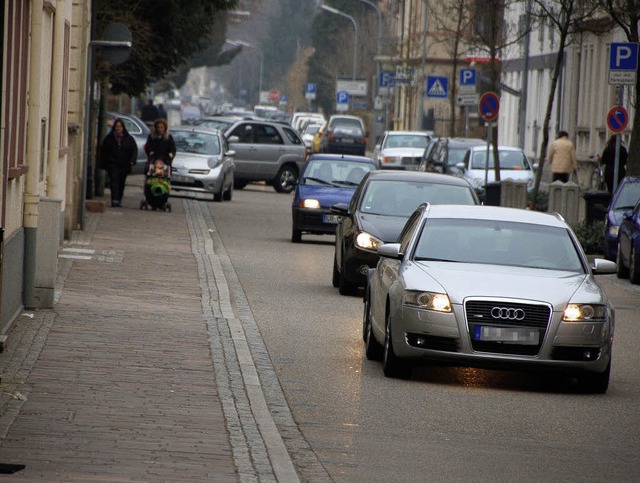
437 86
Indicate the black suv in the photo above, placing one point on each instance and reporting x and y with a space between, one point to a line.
446 153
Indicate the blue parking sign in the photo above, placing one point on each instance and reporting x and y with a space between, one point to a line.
311 88
342 97
623 56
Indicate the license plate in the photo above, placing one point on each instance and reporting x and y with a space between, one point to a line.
512 335
181 179
333 219
347 141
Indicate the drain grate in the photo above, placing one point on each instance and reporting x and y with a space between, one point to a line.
88 254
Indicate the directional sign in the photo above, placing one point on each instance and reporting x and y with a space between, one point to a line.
489 106
310 91
437 86
623 63
617 119
467 81
467 99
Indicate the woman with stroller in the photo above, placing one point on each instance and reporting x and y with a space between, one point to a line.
118 154
160 144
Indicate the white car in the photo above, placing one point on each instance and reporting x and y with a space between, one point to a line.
514 164
401 149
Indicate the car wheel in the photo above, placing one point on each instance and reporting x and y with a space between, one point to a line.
238 184
622 271
335 280
634 273
372 348
286 179
595 383
392 366
228 195
218 196
296 235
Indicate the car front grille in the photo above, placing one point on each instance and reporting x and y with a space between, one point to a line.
409 161
498 313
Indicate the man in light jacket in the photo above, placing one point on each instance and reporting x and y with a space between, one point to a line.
562 156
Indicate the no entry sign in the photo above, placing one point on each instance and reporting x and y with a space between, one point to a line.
617 119
488 106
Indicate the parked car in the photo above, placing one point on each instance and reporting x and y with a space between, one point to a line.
628 249
326 179
344 134
377 212
266 151
489 286
401 149
446 153
623 200
299 117
140 132
514 164
203 162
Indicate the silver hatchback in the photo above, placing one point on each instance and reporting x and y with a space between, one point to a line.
487 286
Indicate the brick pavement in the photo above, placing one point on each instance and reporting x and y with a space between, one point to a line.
117 383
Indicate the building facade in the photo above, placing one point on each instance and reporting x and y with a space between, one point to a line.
41 144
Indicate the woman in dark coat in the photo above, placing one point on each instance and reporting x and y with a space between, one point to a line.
160 144
118 154
609 159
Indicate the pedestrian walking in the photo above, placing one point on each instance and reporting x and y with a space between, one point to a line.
562 156
608 159
162 114
118 155
160 144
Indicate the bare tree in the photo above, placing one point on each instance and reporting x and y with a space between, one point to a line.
626 14
566 17
453 21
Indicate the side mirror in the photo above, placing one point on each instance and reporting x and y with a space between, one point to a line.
233 139
231 153
390 250
603 267
341 209
460 166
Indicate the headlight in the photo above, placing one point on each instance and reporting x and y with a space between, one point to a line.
365 241
438 302
310 203
584 312
613 231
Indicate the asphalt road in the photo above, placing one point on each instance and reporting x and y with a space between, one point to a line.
445 424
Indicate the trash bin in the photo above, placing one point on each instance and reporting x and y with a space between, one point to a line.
492 191
597 204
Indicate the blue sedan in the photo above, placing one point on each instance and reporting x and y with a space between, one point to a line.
325 179
629 245
623 200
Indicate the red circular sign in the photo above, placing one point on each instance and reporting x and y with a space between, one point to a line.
274 95
617 119
489 106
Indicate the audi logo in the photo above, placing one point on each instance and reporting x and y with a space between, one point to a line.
507 313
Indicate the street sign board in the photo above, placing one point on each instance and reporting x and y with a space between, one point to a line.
623 63
342 101
617 119
489 106
405 74
467 99
354 88
386 82
274 95
437 86
310 91
283 100
467 81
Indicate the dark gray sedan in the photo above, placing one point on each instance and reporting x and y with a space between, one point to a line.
489 286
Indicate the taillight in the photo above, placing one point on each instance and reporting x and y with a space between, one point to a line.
331 136
363 140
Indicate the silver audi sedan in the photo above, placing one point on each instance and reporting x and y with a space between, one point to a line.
486 286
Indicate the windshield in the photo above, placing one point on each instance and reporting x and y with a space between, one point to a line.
514 160
456 155
196 143
401 198
406 141
498 243
627 196
323 172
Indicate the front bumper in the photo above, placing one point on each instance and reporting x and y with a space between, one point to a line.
181 180
567 347
313 221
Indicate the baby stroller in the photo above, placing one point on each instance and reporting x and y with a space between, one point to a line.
157 186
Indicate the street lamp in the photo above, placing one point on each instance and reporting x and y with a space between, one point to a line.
257 49
355 29
379 39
